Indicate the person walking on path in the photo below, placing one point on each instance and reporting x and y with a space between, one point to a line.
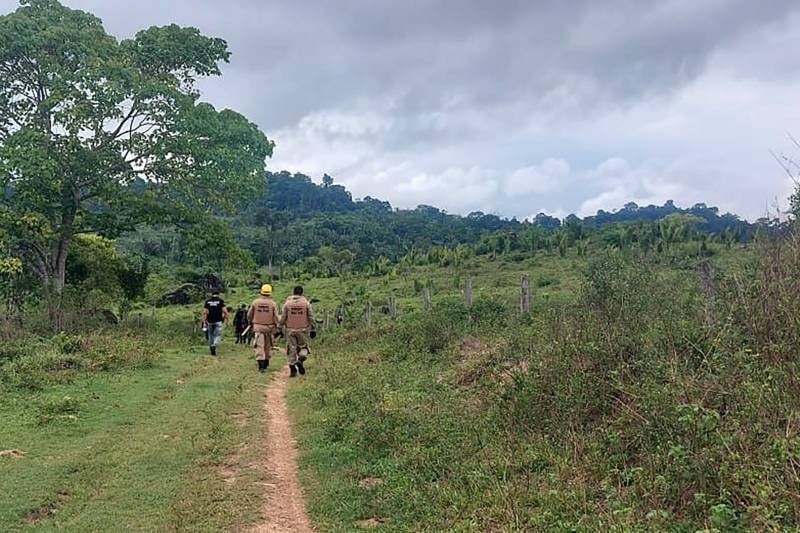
298 319
214 315
263 318
240 323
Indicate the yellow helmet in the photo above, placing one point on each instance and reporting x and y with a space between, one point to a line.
266 289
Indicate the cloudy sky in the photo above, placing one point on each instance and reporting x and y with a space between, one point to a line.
511 107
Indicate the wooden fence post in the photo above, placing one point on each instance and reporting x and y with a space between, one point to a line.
325 320
468 293
426 298
525 302
139 320
368 313
393 306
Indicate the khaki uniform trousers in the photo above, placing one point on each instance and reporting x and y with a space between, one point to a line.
296 340
263 341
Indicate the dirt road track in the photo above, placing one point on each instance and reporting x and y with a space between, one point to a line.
284 507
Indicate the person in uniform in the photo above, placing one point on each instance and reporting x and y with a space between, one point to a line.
263 318
214 315
298 319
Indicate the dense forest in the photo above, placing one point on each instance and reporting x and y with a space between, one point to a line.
299 222
294 227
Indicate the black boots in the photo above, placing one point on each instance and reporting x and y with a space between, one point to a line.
262 365
295 368
213 350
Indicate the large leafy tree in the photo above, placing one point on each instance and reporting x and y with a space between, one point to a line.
97 135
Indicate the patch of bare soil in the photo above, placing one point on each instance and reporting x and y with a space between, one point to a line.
240 419
369 483
12 454
371 522
48 510
474 360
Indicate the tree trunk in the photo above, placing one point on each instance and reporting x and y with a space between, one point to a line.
53 282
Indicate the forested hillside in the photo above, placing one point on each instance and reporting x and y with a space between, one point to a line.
320 228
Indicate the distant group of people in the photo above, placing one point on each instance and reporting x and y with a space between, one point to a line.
262 324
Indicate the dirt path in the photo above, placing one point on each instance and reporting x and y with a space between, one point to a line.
285 507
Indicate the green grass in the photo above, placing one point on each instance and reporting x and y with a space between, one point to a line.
553 279
516 429
168 447
402 442
614 407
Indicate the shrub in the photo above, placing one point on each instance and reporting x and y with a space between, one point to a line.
546 281
430 332
65 356
489 313
158 285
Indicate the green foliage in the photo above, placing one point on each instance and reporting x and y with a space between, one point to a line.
212 245
336 262
66 357
623 405
432 331
93 264
132 279
10 266
97 135
488 314
545 281
158 285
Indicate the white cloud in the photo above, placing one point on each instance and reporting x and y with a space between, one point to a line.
563 108
545 177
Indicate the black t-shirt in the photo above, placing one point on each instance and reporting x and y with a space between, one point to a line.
215 305
240 319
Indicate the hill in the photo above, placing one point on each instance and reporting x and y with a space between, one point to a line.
301 224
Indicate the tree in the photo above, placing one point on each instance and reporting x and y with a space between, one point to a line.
213 247
97 135
336 262
94 263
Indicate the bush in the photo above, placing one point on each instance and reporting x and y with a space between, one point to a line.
655 399
430 332
546 281
65 356
158 285
67 344
487 313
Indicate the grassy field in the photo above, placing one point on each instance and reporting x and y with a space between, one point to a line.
164 446
397 438
613 406
150 433
552 278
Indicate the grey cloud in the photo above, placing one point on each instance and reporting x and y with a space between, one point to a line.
293 57
468 92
